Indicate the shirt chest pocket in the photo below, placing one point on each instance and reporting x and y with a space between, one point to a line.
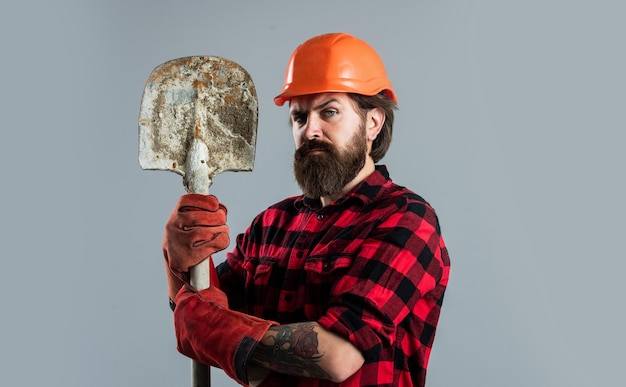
258 271
323 272
328 265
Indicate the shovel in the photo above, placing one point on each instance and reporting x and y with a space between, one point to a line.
198 118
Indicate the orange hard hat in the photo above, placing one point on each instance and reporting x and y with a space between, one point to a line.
336 62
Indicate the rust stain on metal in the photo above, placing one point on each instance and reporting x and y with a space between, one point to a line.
209 98
199 84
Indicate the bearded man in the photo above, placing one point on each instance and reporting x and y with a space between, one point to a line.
340 286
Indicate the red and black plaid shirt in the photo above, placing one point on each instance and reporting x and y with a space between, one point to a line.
371 267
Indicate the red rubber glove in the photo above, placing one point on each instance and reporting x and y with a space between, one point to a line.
209 332
195 230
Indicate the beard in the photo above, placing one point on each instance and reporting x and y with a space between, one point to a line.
330 170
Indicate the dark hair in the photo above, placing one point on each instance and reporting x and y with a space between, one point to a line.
365 103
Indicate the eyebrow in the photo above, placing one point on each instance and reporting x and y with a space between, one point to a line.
296 112
324 104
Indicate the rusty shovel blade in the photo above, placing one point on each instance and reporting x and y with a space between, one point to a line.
198 109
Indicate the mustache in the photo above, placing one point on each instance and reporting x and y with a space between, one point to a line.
313 145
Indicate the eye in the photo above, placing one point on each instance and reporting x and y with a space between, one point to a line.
329 112
298 118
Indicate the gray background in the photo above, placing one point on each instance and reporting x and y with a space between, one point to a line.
511 124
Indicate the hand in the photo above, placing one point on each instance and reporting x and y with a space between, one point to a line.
212 295
195 230
209 332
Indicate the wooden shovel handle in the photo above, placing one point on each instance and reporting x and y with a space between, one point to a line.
200 374
199 276
197 180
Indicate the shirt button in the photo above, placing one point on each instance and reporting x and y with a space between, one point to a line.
320 217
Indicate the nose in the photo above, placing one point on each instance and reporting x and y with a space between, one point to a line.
313 128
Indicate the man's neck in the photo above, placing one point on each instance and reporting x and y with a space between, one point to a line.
367 170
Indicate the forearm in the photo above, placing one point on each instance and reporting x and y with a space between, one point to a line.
307 349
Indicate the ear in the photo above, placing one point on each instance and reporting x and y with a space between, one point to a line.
374 123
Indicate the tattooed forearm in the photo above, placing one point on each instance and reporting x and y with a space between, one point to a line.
291 349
